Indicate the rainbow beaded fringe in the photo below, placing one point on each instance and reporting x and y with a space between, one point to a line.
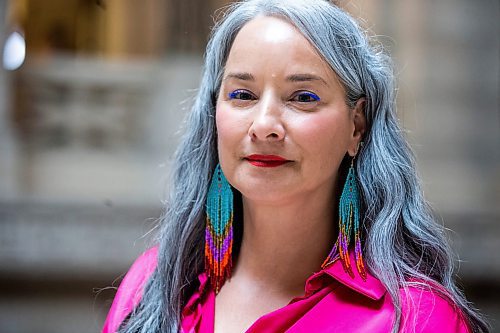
219 230
348 223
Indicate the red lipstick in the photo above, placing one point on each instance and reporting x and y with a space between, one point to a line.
266 161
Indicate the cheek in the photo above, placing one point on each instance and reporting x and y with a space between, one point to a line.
230 128
326 133
222 122
325 139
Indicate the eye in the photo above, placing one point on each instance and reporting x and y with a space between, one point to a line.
241 95
305 97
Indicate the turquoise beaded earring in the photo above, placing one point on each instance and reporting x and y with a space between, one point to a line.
219 230
349 215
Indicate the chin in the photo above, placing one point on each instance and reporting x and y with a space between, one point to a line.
265 194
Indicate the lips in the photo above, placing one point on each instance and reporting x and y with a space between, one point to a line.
266 161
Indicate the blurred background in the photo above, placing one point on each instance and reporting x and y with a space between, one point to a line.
92 98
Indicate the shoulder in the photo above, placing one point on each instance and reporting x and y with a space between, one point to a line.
130 291
429 308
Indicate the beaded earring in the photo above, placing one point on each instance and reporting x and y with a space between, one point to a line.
349 207
219 230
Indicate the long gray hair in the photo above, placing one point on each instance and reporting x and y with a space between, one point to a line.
402 242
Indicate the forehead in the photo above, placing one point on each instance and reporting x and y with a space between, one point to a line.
267 39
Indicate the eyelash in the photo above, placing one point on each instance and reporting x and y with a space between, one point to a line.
315 98
236 93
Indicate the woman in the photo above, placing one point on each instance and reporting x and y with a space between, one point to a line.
295 205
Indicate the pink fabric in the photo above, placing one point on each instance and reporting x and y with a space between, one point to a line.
332 302
129 293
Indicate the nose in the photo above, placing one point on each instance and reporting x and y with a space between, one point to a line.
267 122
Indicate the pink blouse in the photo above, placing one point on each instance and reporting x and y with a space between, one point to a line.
332 302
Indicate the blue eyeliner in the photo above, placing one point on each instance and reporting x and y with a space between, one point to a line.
233 94
310 94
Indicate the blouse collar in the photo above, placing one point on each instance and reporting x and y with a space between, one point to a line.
370 287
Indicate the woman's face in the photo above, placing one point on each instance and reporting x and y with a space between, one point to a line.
282 121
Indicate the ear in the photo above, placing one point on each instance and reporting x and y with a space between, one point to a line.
359 120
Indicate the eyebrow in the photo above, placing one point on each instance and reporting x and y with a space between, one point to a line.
305 78
245 76
240 76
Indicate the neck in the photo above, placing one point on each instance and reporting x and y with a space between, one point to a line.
284 244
